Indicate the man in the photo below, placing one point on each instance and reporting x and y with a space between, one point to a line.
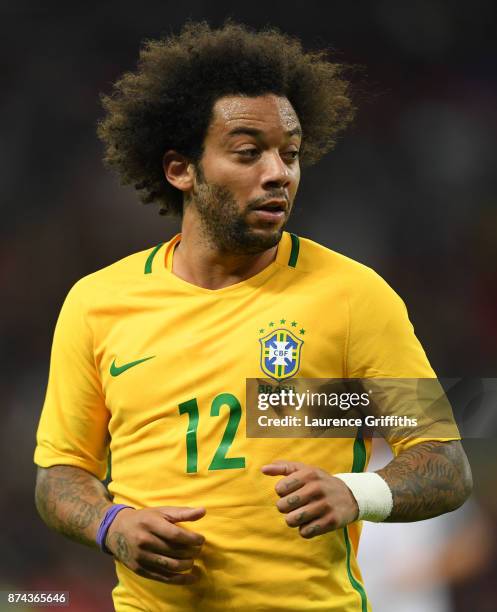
151 354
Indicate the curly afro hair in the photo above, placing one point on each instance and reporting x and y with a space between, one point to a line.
166 103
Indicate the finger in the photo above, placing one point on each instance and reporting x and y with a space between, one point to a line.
156 563
296 480
303 516
185 552
168 578
174 534
157 545
179 514
289 484
297 499
281 468
316 527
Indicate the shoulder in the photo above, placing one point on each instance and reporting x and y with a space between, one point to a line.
335 267
110 281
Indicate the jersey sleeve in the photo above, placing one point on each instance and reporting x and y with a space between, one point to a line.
73 428
382 344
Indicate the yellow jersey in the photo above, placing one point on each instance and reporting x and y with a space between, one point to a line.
154 369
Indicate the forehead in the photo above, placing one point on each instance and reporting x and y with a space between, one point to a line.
267 112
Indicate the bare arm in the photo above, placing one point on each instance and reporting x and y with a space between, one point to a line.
428 479
148 541
71 501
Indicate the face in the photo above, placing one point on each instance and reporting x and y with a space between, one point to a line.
249 173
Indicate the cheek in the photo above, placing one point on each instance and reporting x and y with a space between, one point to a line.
223 173
241 182
295 181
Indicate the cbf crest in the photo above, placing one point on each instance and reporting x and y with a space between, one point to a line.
281 350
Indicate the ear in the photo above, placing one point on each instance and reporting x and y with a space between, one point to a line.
178 170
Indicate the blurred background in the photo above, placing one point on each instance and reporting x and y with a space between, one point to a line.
410 190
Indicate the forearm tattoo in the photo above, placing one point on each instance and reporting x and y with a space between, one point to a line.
71 501
427 480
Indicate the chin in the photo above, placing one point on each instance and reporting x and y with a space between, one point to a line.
258 240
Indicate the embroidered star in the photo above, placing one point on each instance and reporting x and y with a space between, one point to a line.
294 323
271 324
282 320
261 331
302 331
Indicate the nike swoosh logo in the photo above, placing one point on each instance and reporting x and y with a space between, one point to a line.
117 370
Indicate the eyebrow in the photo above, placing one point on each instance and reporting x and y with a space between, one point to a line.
296 131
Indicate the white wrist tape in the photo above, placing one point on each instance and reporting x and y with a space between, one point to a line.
372 494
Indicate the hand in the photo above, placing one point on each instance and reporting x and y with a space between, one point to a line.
312 500
150 544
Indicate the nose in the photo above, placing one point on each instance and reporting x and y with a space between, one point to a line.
276 173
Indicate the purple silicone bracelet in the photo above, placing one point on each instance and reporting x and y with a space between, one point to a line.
110 515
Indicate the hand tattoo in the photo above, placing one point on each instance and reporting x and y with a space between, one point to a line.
302 517
292 483
313 530
293 501
121 547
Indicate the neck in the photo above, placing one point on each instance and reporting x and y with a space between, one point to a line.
199 262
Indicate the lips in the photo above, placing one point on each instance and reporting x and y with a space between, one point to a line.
270 213
273 206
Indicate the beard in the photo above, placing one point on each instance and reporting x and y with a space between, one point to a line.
226 228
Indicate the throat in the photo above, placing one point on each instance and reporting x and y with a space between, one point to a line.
213 270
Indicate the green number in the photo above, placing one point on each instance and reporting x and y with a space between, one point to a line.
191 408
220 461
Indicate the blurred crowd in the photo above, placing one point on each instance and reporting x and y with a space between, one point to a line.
410 190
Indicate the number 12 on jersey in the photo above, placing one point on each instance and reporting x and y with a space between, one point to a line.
219 461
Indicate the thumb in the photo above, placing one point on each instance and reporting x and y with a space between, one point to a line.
281 468
178 514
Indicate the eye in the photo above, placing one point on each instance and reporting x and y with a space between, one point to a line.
292 155
251 153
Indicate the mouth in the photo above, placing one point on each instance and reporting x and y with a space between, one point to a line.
271 211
